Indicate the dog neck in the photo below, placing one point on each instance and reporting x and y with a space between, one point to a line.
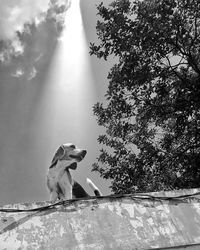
69 176
59 168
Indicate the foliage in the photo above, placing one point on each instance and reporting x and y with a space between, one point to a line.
152 108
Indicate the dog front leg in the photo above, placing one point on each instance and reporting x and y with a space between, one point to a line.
53 196
66 184
68 193
66 188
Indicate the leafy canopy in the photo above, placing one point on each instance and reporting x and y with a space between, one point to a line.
152 109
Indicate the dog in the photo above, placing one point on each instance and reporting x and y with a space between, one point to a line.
59 180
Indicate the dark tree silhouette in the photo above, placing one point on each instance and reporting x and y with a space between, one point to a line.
152 105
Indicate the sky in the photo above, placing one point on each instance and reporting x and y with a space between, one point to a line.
48 85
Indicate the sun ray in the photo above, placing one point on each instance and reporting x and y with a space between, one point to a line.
68 94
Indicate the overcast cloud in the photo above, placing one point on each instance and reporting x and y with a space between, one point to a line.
14 14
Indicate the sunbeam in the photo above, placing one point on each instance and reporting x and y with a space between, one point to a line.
68 94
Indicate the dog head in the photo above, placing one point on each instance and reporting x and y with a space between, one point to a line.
68 154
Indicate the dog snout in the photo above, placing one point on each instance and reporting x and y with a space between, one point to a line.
84 153
79 155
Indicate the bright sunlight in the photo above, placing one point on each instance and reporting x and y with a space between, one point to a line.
68 93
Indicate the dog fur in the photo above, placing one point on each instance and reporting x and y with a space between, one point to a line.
59 180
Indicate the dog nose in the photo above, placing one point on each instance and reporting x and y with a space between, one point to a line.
84 153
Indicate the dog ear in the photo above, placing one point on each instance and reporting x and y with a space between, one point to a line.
58 155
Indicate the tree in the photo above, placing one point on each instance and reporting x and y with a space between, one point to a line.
152 106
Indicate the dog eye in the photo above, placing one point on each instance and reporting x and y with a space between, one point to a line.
72 146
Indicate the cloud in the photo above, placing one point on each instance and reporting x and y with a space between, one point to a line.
32 74
16 14
19 72
39 57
